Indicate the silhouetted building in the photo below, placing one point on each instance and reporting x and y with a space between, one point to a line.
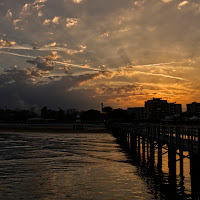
175 109
137 113
193 109
156 109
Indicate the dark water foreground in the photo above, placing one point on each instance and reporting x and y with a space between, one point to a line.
67 166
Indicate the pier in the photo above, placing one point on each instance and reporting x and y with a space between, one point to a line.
147 143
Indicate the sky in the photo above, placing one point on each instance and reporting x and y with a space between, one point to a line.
81 53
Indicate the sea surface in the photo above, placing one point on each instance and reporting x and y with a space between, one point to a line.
74 166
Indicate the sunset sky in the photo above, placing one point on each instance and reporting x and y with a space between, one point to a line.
80 53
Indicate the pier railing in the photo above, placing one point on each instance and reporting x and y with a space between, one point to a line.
186 137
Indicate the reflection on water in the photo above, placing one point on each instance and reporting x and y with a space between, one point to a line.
180 178
68 166
173 178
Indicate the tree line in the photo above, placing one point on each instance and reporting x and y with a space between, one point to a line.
60 115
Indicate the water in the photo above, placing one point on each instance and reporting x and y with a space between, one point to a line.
68 166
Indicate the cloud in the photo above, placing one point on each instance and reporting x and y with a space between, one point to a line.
14 75
46 21
42 63
77 1
55 20
71 22
19 86
104 35
16 54
9 15
182 4
53 44
36 73
125 89
67 69
53 56
4 43
71 51
167 1
40 13
107 73
45 63
40 1
34 62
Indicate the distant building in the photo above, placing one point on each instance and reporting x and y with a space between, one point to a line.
71 111
193 109
156 109
137 113
175 109
78 118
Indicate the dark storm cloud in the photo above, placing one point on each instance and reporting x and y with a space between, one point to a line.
24 96
34 62
13 75
19 89
42 63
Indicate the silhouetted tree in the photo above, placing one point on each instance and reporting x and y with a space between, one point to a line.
107 110
60 115
119 114
22 115
91 115
44 112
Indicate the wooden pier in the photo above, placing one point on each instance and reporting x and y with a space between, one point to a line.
143 140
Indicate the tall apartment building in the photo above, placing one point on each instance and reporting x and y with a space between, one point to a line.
193 109
175 109
156 109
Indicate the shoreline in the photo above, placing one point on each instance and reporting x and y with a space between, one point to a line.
53 128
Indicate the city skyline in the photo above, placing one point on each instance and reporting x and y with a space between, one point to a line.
79 53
